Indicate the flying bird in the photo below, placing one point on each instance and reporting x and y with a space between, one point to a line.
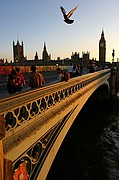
67 16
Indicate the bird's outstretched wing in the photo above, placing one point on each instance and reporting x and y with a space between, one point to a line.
71 12
63 10
67 16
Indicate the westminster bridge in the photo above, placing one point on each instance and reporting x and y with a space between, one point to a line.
34 123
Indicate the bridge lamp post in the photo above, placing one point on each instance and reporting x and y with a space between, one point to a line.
113 54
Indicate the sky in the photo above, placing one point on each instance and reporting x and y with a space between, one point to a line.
37 21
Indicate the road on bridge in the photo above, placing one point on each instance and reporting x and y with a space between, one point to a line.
49 76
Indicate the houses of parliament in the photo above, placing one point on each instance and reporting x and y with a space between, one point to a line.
20 59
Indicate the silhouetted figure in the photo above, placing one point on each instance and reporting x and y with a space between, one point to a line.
11 82
91 69
36 79
70 70
84 70
75 71
61 74
19 79
67 16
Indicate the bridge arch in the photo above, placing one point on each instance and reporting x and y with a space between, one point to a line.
98 93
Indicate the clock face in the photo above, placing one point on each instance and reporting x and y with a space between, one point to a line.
101 45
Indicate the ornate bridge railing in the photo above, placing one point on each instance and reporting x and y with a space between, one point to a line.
31 126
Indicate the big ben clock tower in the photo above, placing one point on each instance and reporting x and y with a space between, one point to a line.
102 49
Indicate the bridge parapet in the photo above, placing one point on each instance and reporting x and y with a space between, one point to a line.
5 164
28 123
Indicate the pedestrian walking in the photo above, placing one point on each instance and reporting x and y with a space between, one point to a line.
19 79
36 79
70 70
75 71
84 70
63 75
11 82
60 74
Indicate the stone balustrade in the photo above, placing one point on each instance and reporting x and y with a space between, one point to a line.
5 164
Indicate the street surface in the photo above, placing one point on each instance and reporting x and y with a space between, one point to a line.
50 77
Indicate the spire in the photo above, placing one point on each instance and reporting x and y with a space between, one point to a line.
102 35
17 39
36 56
44 47
45 55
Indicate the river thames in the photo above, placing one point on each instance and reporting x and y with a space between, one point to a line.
90 150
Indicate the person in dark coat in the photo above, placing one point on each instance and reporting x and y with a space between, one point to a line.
11 82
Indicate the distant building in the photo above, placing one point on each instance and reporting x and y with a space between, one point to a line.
102 49
36 56
45 56
18 52
86 56
2 61
75 56
6 62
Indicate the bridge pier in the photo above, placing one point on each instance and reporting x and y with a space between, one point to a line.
117 80
114 82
